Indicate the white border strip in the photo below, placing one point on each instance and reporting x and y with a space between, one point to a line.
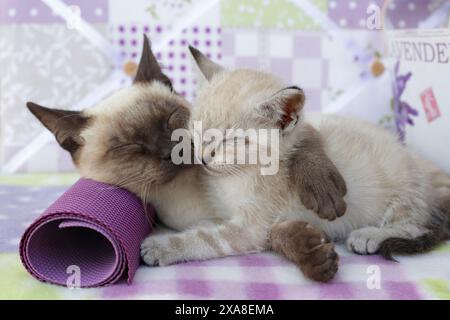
348 96
328 25
86 30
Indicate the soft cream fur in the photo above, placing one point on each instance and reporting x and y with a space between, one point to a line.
389 189
231 213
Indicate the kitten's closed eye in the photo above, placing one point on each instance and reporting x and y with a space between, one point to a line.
177 119
128 147
139 149
168 156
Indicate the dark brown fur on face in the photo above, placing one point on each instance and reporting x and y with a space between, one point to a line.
138 142
322 188
307 247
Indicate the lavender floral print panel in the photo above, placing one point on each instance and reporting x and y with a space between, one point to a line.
49 64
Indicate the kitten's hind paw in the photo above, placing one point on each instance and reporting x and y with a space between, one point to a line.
308 247
321 264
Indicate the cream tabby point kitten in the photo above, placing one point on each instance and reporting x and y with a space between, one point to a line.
392 204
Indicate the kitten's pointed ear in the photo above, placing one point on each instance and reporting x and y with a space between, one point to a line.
149 69
206 66
284 107
65 125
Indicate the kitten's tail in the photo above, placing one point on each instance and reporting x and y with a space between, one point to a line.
439 231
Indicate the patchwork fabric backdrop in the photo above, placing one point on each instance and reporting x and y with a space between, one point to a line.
44 58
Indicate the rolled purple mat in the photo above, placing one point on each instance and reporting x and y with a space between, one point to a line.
94 226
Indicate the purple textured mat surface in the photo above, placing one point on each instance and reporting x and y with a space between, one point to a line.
93 227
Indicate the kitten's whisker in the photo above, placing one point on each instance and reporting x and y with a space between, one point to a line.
144 196
128 181
123 182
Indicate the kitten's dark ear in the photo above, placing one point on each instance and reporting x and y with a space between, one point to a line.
284 107
65 125
206 66
149 69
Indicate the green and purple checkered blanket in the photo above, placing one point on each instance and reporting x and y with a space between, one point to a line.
258 276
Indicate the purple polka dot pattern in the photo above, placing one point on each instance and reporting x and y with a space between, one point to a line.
21 12
174 59
408 13
352 14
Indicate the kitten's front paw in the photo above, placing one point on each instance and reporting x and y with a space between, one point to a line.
156 251
324 194
308 247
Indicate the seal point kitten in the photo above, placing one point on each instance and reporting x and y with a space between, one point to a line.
392 203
